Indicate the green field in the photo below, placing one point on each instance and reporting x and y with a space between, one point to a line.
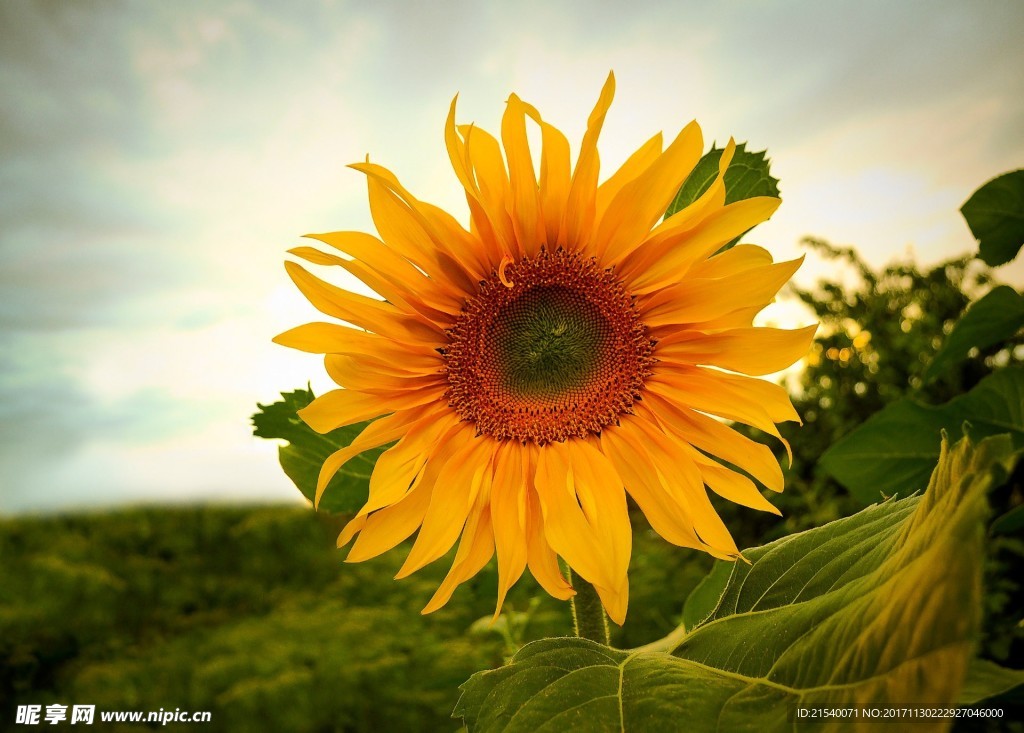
251 614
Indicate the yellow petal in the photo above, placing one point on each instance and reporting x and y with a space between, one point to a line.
731 485
341 407
635 164
380 431
598 552
753 402
739 318
508 500
401 296
394 523
392 266
753 351
460 482
694 300
682 480
641 202
475 550
565 526
350 530
385 529
736 259
396 294
458 153
629 454
356 373
554 177
402 226
522 180
398 466
674 255
373 315
397 224
492 180
332 338
615 601
683 222
711 436
581 204
464 247
603 499
403 365
541 558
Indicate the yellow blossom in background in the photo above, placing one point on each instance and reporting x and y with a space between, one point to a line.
565 350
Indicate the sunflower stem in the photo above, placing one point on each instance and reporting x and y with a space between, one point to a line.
588 618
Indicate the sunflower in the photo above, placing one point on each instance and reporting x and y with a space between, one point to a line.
564 351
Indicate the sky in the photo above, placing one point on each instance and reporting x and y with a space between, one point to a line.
158 159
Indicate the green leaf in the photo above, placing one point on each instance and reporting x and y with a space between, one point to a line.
703 600
995 214
987 679
877 609
996 317
307 450
748 175
896 448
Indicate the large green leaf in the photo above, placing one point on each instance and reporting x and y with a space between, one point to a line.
307 449
748 175
704 598
996 317
895 450
876 609
995 214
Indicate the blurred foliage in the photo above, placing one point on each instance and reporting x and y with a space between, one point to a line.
879 332
245 613
251 614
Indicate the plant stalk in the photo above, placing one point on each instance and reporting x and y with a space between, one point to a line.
588 618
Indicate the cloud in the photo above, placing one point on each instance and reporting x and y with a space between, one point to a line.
158 159
96 417
70 73
47 417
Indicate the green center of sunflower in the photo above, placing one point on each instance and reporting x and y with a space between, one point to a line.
549 348
548 342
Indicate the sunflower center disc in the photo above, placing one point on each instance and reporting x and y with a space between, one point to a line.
550 349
